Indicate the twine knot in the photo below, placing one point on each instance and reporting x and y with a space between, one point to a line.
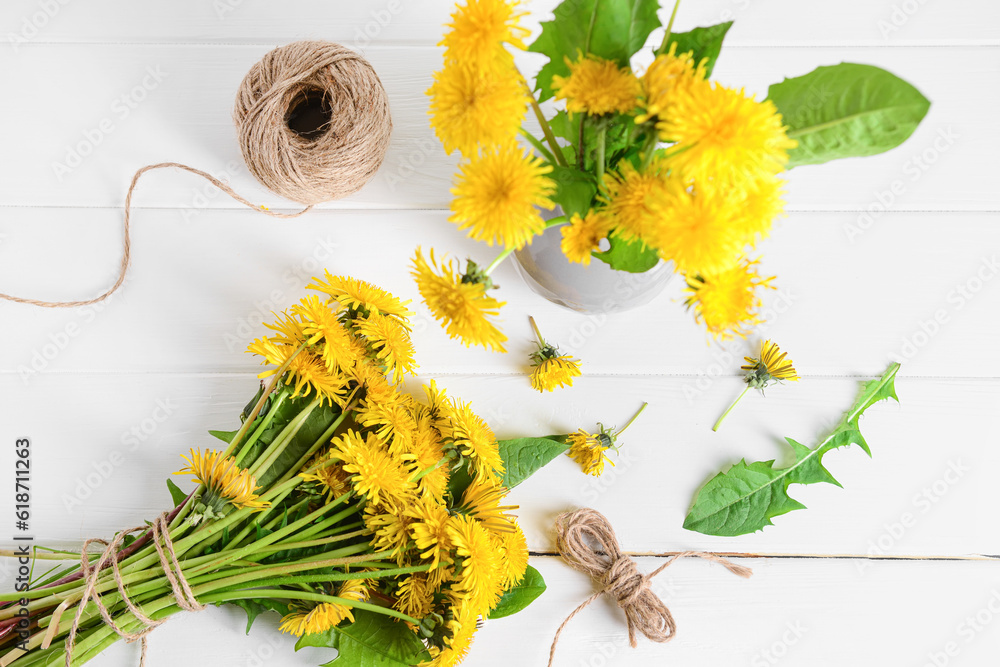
159 535
587 542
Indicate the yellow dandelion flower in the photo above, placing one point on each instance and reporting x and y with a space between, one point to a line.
390 533
322 324
582 236
552 372
429 459
596 86
761 204
376 474
512 547
378 390
480 575
429 530
479 29
311 376
697 230
274 354
497 195
362 296
461 629
329 475
481 500
588 449
224 480
470 108
669 77
391 343
463 307
773 365
288 330
391 420
320 618
726 135
728 302
437 399
635 201
475 440
551 369
414 596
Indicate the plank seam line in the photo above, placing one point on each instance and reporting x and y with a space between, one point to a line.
363 209
780 556
405 44
602 376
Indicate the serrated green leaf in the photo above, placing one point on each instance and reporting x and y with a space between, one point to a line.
704 43
176 494
372 640
255 608
517 598
318 421
575 190
847 110
634 256
224 436
609 29
523 457
746 497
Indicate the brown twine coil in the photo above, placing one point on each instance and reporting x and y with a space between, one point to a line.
326 160
588 543
313 123
183 595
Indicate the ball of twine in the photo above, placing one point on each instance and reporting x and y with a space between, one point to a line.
313 121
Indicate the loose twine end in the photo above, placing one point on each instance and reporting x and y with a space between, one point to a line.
588 543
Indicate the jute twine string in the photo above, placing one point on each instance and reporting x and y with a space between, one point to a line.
588 543
127 237
183 594
334 162
348 149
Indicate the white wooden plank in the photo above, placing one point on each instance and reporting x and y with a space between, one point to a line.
880 22
908 286
822 613
103 443
84 153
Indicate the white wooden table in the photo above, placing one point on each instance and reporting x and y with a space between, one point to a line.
898 567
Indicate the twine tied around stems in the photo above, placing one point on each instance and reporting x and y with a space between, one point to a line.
160 533
587 542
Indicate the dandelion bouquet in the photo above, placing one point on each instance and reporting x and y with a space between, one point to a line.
638 155
372 520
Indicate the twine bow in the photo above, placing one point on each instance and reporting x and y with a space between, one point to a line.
587 542
159 532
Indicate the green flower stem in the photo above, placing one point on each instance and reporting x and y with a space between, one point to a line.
730 408
649 148
317 597
601 140
538 333
546 128
538 145
634 417
345 576
305 544
497 260
273 451
264 424
240 434
581 146
670 27
322 440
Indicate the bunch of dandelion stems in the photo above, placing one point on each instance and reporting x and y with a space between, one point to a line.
231 571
